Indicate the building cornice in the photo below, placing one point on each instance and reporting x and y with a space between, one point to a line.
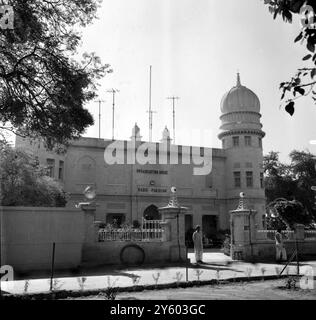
240 112
241 131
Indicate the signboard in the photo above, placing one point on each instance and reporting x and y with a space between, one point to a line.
151 171
152 190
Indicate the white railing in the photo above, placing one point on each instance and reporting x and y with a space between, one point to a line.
150 231
120 235
270 234
310 235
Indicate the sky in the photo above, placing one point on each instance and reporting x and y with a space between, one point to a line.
195 49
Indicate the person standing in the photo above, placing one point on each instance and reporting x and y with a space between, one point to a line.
279 246
198 244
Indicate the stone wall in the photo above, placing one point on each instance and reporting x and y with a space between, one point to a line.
28 234
250 244
265 250
129 253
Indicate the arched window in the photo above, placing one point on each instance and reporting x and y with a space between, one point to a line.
152 213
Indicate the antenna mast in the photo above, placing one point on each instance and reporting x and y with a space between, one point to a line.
173 98
100 102
113 91
150 111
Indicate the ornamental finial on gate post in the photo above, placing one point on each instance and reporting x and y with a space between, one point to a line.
173 202
241 205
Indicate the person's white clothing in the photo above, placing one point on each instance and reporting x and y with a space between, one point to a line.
198 245
279 246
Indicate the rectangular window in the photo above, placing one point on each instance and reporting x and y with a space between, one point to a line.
237 180
51 167
61 170
247 141
235 141
223 143
260 143
237 165
209 181
264 221
249 179
248 165
261 180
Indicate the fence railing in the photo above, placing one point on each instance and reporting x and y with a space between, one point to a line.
270 234
150 231
310 235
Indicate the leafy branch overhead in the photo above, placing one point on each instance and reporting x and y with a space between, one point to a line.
304 80
43 88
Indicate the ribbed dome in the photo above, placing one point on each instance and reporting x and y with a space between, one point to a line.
240 98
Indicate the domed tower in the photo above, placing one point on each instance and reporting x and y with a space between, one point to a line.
241 135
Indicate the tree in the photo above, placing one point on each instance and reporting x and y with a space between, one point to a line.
23 182
303 82
278 180
284 214
304 173
43 89
291 182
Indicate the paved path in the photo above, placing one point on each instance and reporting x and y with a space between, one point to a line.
216 266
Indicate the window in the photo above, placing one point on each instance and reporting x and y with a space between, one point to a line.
249 179
264 221
260 143
261 180
248 165
223 143
61 170
209 181
235 141
237 165
51 167
237 179
247 141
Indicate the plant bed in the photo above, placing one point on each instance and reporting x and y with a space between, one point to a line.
64 294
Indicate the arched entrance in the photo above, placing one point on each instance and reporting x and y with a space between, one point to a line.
152 213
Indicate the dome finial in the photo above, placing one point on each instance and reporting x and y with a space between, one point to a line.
238 79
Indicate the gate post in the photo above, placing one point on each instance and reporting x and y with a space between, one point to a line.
242 224
89 223
173 217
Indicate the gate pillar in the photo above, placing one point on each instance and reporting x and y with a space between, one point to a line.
243 232
173 217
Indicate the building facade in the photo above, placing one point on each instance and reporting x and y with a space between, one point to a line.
128 191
